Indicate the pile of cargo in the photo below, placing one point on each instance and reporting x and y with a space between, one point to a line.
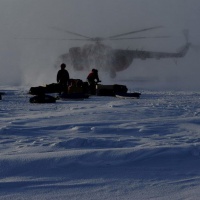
77 90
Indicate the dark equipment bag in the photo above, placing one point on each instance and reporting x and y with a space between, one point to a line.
110 90
51 88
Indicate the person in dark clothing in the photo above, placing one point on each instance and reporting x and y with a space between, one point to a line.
63 78
93 79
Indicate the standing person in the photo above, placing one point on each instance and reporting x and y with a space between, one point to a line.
93 79
63 78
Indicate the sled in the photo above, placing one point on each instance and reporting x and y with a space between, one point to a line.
42 99
110 90
55 88
73 96
134 95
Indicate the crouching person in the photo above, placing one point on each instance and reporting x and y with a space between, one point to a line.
93 79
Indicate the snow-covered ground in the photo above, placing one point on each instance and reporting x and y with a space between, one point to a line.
100 148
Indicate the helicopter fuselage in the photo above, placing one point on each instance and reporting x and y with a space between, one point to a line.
98 56
104 58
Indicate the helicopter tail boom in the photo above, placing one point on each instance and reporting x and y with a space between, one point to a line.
183 51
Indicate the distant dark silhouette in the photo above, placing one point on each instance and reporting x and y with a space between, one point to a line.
63 78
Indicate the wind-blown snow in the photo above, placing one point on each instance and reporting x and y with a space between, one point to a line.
100 148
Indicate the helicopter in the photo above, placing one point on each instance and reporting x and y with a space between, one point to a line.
104 58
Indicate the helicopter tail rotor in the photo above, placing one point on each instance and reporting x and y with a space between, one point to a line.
195 47
186 35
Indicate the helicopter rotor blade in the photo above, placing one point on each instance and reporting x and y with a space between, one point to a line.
70 32
79 39
132 32
40 39
135 38
63 39
98 39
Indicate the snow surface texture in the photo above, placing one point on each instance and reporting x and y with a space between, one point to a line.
100 148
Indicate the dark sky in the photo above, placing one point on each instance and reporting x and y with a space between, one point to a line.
33 62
